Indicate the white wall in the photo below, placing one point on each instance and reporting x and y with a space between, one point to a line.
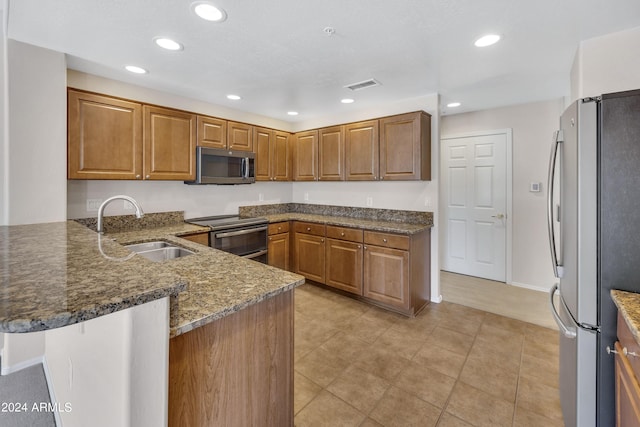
533 126
37 190
112 370
4 123
606 64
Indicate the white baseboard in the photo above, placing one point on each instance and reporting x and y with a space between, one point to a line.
52 395
437 300
6 370
532 287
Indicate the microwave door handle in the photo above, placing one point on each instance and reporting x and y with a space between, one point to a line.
557 268
245 167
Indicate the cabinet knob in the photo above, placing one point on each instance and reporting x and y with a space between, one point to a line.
138 176
270 238
342 234
384 240
308 228
359 246
365 248
381 178
279 228
147 177
322 240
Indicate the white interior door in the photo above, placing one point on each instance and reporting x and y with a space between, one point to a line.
474 175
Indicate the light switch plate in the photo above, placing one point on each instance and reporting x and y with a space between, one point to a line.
93 205
535 187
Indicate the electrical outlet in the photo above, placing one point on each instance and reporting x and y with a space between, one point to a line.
93 205
261 197
369 201
427 202
306 197
70 374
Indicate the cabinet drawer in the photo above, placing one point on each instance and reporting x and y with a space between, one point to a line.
278 227
309 228
387 240
628 341
344 233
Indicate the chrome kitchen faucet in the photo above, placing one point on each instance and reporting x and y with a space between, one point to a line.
139 213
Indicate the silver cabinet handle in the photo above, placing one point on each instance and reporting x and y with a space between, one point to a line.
240 232
557 267
624 351
566 331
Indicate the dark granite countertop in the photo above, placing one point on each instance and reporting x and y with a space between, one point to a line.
628 304
61 273
385 220
219 283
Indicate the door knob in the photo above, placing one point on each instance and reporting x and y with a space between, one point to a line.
499 216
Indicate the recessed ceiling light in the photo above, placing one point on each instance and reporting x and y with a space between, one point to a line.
487 40
347 101
233 97
292 113
134 69
453 104
168 44
209 12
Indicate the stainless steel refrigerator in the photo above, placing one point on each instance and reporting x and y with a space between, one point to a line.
594 233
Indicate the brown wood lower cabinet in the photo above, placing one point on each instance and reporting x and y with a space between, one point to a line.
386 273
201 238
278 245
387 269
344 265
235 371
309 259
627 374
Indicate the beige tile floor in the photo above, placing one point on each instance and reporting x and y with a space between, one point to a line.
357 365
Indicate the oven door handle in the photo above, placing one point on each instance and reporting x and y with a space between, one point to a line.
240 232
255 254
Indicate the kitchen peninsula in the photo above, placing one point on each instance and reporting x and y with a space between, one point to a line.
231 320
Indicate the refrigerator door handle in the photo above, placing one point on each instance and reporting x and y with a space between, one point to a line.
557 267
566 331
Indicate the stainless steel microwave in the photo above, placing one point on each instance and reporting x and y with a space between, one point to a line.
218 166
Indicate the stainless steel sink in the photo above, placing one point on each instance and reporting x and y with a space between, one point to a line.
159 251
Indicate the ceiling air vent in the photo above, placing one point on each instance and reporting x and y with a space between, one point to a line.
363 85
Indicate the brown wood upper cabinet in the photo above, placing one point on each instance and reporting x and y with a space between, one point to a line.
212 132
331 154
111 138
305 156
239 136
169 144
362 151
405 147
104 137
273 155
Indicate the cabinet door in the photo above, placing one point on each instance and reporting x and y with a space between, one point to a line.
309 256
104 137
212 132
362 151
627 392
278 255
239 136
281 157
169 144
344 265
263 139
386 275
331 154
405 147
305 156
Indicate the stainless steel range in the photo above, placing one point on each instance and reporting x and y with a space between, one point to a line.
245 237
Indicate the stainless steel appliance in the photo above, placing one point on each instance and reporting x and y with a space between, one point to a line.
217 166
594 223
245 237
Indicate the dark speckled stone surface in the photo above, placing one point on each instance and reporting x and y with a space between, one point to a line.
386 220
629 305
57 274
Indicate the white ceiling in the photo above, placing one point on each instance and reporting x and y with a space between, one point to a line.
276 55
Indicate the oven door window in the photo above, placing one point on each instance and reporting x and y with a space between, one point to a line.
241 242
